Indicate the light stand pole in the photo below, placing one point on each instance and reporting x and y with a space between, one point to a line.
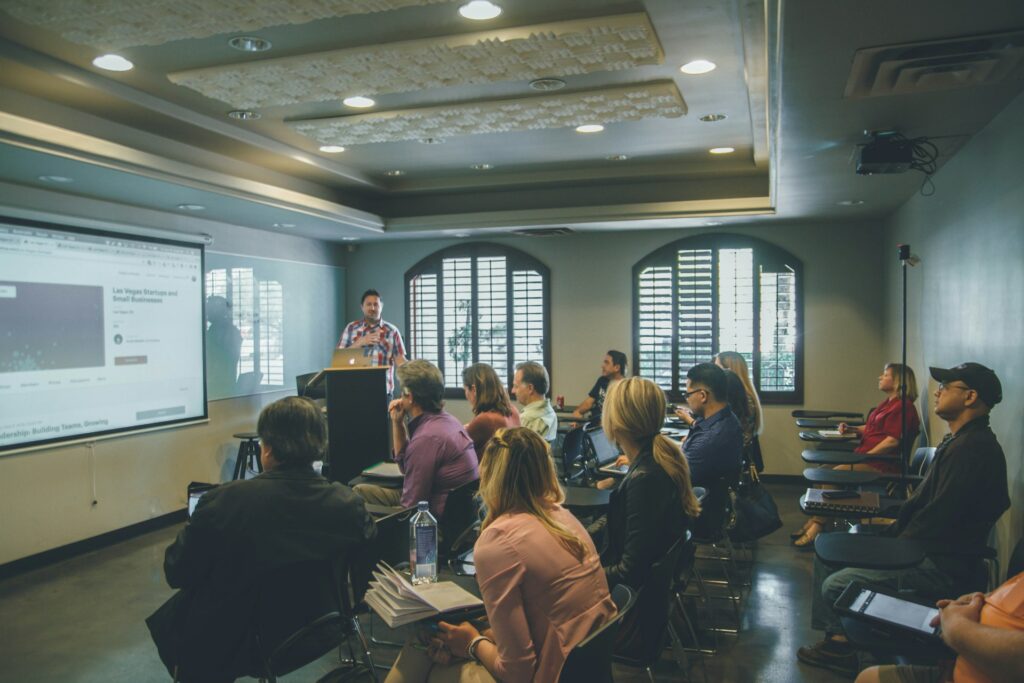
904 255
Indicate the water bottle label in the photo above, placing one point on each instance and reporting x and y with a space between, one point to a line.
426 546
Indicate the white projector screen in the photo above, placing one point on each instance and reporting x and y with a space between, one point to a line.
100 333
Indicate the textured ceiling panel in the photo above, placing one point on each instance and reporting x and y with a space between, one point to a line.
114 24
518 54
631 103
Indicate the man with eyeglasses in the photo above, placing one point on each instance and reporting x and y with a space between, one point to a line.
962 496
714 446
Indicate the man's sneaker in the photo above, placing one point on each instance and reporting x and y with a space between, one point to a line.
832 655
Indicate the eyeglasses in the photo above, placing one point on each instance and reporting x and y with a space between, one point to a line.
688 394
947 387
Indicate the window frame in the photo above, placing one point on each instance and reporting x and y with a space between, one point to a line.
516 260
763 253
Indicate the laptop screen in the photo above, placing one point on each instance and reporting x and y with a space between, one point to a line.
605 451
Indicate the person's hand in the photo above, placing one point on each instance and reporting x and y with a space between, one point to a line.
965 607
684 415
843 427
438 652
457 638
605 483
396 409
621 460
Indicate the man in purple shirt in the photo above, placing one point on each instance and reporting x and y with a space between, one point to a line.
432 450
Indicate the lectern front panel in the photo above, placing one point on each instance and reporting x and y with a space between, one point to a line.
357 420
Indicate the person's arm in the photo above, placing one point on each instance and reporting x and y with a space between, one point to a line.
398 348
695 449
887 446
346 337
997 652
584 407
189 559
399 430
645 499
958 481
685 415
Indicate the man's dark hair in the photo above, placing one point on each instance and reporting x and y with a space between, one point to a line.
294 430
618 358
712 378
369 292
535 374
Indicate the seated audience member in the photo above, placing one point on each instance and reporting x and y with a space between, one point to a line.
879 436
433 450
985 631
751 418
492 409
652 506
530 386
242 530
714 446
539 576
962 496
613 368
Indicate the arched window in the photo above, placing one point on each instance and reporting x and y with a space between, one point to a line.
701 295
478 303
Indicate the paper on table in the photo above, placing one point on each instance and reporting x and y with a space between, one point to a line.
383 470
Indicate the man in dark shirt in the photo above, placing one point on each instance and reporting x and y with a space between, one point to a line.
714 446
613 368
962 496
245 531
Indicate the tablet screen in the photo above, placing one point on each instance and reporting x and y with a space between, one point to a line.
895 611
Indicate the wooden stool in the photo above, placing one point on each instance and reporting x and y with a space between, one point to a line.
248 454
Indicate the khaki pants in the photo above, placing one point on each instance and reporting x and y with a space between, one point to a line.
379 495
414 666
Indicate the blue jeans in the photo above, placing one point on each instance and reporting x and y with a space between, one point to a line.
830 582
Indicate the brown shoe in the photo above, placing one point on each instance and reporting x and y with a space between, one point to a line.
833 655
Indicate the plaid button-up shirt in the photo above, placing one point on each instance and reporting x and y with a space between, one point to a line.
383 353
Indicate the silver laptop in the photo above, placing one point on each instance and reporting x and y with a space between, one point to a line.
353 357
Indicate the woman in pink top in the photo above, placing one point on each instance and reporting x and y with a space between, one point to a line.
540 578
492 409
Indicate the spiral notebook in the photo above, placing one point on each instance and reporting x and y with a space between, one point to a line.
866 503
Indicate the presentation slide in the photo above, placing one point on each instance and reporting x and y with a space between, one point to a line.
99 333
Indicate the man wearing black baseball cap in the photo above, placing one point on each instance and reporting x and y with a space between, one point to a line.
952 511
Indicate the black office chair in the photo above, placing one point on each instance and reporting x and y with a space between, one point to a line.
574 450
591 660
303 612
458 520
302 388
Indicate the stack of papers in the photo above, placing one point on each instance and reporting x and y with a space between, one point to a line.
835 434
398 602
384 470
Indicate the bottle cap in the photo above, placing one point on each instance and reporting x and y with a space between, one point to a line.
423 505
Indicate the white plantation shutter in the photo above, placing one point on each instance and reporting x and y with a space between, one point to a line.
656 328
478 304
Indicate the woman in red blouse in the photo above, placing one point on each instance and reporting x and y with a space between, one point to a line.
492 409
879 436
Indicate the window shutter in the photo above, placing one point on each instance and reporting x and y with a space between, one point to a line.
778 331
492 313
528 314
423 324
694 286
457 293
655 325
736 302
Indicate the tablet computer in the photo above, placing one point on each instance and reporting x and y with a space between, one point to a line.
196 490
890 612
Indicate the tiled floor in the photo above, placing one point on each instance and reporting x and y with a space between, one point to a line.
82 620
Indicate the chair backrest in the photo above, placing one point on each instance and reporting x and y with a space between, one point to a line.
591 660
573 451
301 614
460 513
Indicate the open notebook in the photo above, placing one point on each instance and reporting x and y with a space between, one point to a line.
398 602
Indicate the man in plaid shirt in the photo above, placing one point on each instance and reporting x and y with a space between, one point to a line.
384 337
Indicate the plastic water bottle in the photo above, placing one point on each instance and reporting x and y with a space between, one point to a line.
423 545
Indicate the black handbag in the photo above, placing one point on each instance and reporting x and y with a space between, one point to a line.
755 514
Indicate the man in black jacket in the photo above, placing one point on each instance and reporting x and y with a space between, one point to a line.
242 532
962 496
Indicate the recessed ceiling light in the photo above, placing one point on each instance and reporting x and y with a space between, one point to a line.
479 10
249 44
851 202
56 179
547 84
358 102
243 115
394 173
697 67
590 128
191 207
349 239
113 63
481 167
616 157
332 149
711 118
712 224
284 226
722 150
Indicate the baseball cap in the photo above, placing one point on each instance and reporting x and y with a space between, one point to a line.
976 376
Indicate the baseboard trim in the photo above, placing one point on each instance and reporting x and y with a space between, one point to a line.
64 552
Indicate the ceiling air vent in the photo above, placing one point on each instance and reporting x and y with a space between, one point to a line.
936 65
542 232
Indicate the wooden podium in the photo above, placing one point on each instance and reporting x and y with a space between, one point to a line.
357 419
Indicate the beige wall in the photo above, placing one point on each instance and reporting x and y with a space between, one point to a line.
46 496
592 297
966 297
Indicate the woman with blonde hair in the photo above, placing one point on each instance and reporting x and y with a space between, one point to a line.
653 504
490 403
539 575
730 360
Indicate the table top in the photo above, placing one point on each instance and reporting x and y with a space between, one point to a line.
586 497
817 457
826 423
827 475
868 552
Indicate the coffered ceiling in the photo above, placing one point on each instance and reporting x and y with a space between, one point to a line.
473 124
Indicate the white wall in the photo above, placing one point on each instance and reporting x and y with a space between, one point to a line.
966 298
46 496
591 294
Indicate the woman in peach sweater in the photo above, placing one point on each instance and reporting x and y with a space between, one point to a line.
539 574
